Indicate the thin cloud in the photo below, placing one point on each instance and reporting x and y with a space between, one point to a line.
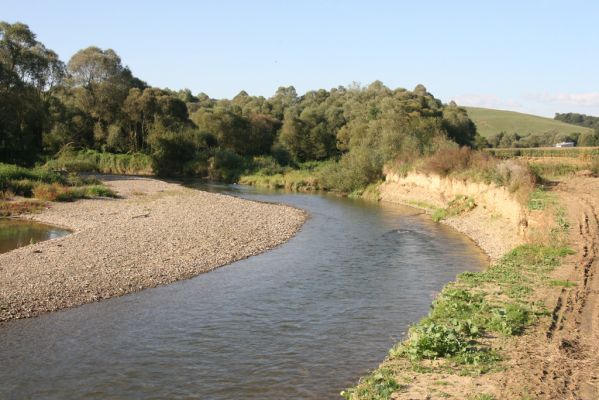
590 99
487 101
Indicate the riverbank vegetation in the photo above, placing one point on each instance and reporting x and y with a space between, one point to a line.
473 319
24 190
91 113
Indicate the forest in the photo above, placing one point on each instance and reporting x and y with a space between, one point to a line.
587 121
95 105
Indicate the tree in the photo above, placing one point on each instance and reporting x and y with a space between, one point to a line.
28 72
100 85
142 109
458 126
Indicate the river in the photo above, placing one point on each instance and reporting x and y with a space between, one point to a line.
302 321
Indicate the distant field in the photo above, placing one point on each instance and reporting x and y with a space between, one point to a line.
564 152
490 122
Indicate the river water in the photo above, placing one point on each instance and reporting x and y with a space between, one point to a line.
303 321
16 233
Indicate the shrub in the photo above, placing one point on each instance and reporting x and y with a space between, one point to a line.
448 159
98 191
353 172
49 191
22 187
267 165
6 194
226 166
171 151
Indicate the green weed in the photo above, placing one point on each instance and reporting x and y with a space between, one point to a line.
560 283
379 385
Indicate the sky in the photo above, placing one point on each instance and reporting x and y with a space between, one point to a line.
539 57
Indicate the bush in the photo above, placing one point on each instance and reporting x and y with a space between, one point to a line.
171 152
354 171
448 159
226 166
267 165
50 192
22 187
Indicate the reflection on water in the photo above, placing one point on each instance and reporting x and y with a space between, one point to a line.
302 321
17 233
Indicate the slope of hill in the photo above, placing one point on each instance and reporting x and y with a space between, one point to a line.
490 122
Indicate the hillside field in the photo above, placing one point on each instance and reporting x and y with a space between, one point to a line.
490 122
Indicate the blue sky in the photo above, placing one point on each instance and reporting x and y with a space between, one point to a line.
540 57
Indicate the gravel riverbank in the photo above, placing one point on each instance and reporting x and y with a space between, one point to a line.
156 233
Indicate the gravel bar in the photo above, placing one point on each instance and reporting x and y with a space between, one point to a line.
155 234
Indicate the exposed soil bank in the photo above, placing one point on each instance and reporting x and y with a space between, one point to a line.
497 224
556 358
155 234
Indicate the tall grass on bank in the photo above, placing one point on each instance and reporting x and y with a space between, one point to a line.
105 163
306 177
43 185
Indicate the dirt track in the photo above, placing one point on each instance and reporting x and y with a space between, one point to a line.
560 359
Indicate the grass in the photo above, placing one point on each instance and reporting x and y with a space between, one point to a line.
556 170
565 152
561 283
58 192
482 396
377 386
10 208
421 204
102 162
457 206
453 338
296 180
490 122
540 199
304 179
43 185
16 178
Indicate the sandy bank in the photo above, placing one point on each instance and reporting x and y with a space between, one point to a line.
497 224
155 234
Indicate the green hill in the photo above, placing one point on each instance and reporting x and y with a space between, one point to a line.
490 122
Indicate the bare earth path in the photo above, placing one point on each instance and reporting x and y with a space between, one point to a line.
155 234
560 360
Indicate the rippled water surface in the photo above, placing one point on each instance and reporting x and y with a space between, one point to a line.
302 321
17 233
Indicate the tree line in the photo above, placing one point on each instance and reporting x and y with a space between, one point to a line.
93 101
578 119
